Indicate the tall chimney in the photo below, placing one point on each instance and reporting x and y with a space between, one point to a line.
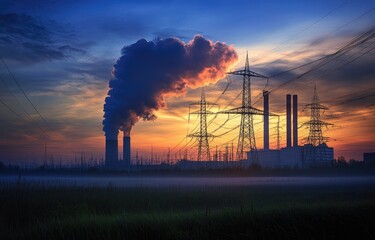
266 127
288 121
295 121
126 150
111 152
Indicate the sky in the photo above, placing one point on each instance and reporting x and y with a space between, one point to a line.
61 54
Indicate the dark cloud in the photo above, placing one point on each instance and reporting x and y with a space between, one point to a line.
148 71
25 39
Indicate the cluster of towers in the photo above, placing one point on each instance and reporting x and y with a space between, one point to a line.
315 152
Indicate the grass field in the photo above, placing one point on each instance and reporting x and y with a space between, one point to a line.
30 211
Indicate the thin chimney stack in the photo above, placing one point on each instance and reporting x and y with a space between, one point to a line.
266 130
295 121
288 121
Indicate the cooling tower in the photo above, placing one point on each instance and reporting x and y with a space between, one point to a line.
111 152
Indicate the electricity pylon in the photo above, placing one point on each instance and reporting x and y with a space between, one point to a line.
246 138
202 135
315 138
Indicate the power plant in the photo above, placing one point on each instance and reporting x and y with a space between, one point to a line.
315 153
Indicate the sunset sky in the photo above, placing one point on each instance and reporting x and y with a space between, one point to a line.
62 52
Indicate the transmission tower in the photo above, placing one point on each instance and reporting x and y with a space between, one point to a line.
202 135
246 138
315 138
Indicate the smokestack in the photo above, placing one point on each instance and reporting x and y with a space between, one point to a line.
126 150
295 121
111 152
288 121
266 127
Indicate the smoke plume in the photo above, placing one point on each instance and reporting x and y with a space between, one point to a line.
148 71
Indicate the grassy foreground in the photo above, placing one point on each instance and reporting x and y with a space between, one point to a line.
40 212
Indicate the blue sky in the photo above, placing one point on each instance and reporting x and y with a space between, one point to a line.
116 23
62 53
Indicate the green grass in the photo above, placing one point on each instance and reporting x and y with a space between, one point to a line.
40 212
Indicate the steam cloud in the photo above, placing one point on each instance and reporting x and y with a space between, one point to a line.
148 71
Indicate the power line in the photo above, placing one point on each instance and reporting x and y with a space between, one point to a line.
322 58
202 135
304 30
340 66
24 110
346 24
330 33
23 92
368 35
11 110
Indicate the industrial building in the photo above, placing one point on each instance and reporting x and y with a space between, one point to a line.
315 153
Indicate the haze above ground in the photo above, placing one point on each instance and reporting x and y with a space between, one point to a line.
62 54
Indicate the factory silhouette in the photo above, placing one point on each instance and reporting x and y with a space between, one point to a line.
315 153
